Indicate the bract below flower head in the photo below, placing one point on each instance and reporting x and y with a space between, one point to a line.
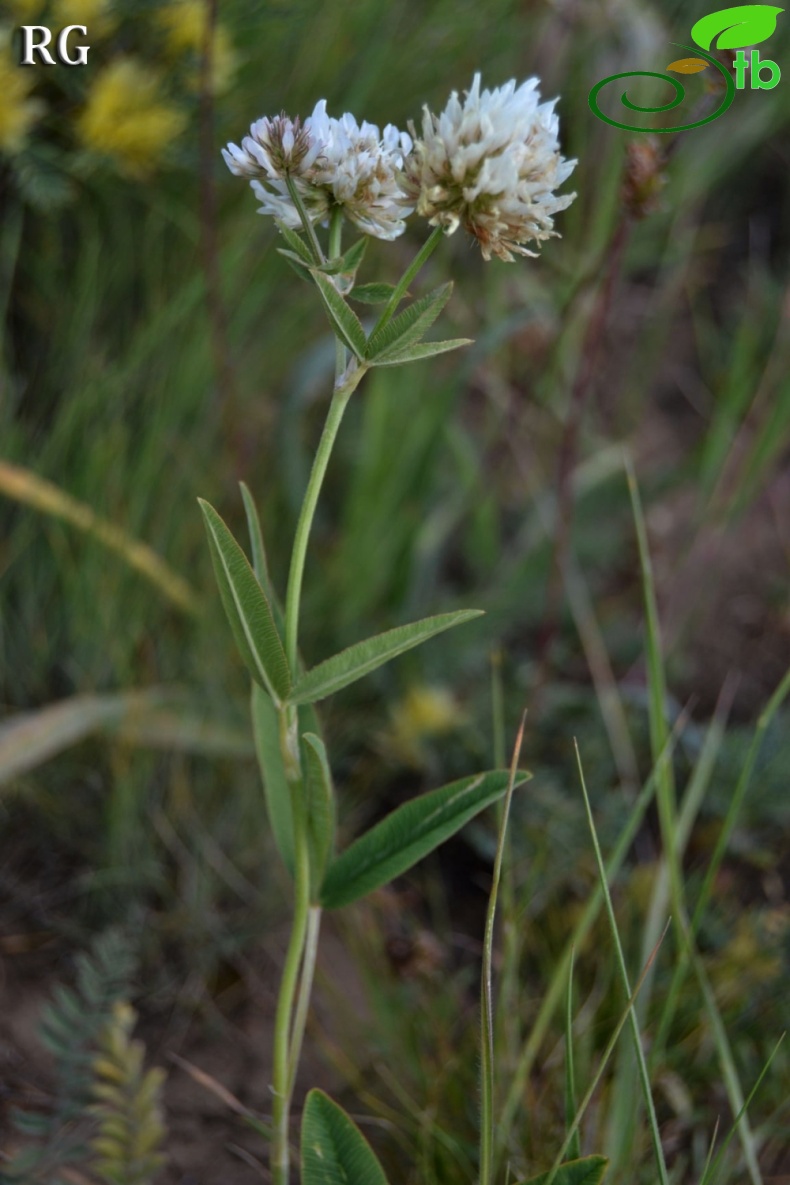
491 164
332 163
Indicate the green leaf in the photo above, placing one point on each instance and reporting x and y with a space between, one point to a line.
334 1151
321 813
259 562
247 608
588 1171
266 730
296 263
409 326
372 293
748 24
296 243
364 657
344 268
344 320
396 843
423 350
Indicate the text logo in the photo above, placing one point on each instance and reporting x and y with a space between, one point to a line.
731 28
36 40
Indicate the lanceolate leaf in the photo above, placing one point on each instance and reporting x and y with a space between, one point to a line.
747 24
345 321
364 657
302 270
296 243
266 730
423 350
334 1151
588 1171
247 608
259 563
372 293
347 263
321 815
410 326
396 843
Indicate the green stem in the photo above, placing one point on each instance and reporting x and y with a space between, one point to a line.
344 388
305 991
297 979
402 287
335 249
309 229
282 1078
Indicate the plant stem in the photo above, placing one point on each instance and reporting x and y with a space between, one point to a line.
402 287
307 225
344 388
297 979
305 991
282 1076
335 249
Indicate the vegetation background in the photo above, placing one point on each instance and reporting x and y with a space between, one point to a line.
155 348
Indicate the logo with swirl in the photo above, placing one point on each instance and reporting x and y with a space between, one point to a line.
731 29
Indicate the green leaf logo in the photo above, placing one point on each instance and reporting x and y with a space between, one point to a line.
748 24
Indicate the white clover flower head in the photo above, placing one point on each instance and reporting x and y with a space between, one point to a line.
362 171
491 164
332 163
275 148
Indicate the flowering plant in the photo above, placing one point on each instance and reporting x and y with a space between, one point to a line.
489 165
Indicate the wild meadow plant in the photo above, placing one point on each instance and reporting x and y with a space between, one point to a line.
490 164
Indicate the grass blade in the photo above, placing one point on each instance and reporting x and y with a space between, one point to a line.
32 490
574 1149
640 1057
486 991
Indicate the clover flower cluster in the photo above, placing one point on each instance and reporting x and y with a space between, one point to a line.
490 164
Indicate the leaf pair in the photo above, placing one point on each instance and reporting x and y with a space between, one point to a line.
334 1150
398 341
252 620
344 268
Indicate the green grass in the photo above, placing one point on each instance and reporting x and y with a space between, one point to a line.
443 493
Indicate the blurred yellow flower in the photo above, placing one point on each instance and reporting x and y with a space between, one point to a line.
24 10
18 112
126 118
96 15
183 23
423 712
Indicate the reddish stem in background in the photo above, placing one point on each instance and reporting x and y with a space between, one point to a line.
580 394
218 322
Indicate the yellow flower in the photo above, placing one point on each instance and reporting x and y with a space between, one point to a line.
423 712
126 118
96 15
183 23
25 10
18 112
